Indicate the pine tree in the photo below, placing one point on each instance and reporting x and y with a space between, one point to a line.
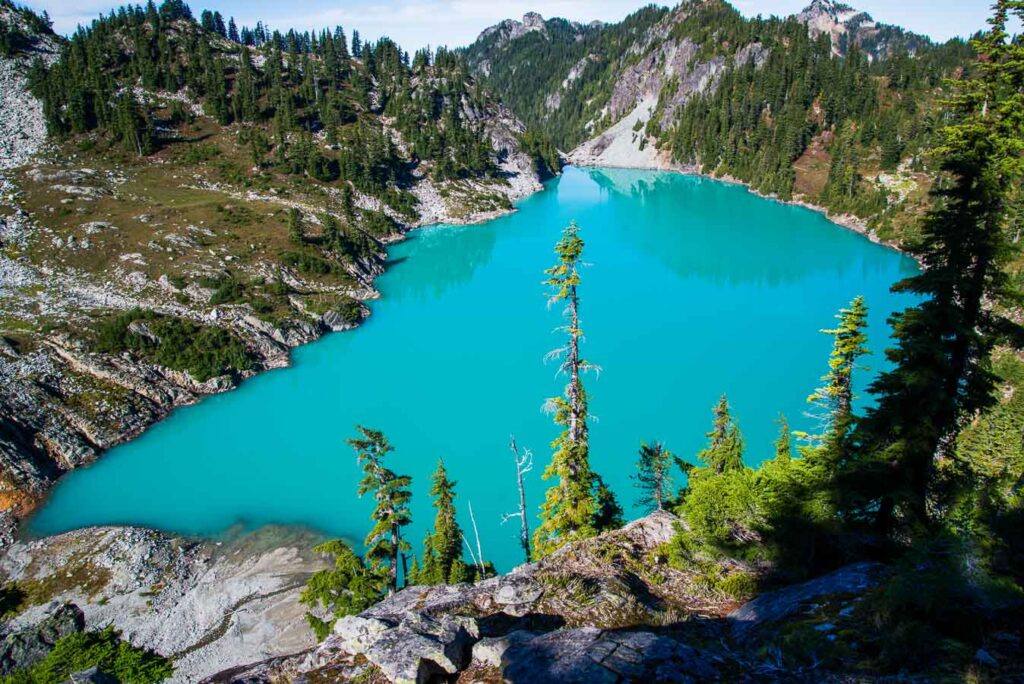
572 509
942 376
652 477
442 550
391 493
784 442
296 227
834 400
725 446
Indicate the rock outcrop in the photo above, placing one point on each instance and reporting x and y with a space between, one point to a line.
668 73
584 614
22 126
208 606
23 648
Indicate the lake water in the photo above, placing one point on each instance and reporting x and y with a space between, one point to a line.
693 288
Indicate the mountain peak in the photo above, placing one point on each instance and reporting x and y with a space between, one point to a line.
830 11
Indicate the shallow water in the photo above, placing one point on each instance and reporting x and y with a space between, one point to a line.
694 288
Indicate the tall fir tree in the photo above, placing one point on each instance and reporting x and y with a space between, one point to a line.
391 493
942 376
784 442
442 549
580 504
725 441
833 401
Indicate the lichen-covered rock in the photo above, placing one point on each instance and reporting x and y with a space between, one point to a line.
488 652
518 592
412 648
356 634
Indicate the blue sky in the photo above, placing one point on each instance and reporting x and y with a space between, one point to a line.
415 23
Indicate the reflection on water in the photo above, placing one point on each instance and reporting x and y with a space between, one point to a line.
450 256
710 230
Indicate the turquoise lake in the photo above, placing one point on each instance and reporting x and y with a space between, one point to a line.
694 288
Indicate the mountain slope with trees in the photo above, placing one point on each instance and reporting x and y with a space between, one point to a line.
827 106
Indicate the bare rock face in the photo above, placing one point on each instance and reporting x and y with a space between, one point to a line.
208 606
586 654
776 605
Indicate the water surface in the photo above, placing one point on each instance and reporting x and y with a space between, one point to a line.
694 288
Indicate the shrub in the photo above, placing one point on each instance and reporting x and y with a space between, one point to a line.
739 585
350 587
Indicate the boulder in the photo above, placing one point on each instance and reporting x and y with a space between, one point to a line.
526 590
588 655
356 634
773 606
26 647
413 650
490 651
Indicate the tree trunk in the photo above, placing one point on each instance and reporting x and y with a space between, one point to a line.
393 570
524 534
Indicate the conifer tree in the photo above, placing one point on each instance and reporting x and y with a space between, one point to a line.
442 550
834 400
652 477
942 376
572 508
725 442
296 229
391 493
784 442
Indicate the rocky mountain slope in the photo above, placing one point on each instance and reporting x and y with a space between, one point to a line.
700 88
22 126
133 284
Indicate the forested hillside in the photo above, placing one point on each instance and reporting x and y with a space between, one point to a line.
558 75
828 106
